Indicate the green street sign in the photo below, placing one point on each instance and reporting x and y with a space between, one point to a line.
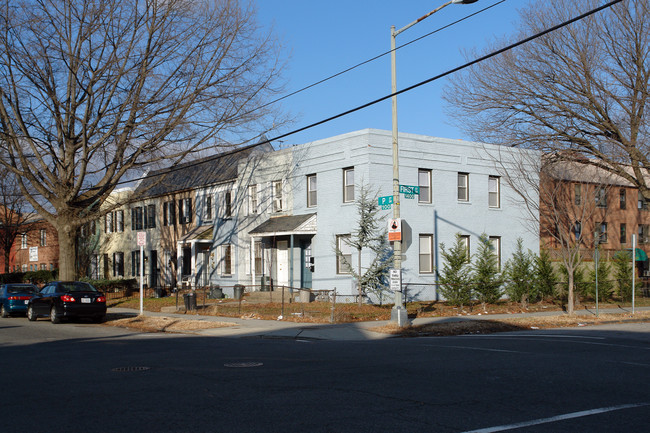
385 202
409 189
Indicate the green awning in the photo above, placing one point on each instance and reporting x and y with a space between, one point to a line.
641 256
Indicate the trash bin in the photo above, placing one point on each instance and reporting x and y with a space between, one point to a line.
239 291
189 299
305 295
266 284
216 292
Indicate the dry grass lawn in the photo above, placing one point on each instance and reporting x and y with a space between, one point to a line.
164 324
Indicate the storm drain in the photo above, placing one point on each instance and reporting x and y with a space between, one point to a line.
248 364
127 369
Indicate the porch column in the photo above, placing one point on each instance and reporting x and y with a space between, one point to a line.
193 265
291 263
252 259
179 265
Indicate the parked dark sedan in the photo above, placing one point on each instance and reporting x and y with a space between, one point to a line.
67 299
15 297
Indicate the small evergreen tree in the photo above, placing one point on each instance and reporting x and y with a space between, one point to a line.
545 277
623 274
486 277
519 276
455 278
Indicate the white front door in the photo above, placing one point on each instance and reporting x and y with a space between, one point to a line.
283 264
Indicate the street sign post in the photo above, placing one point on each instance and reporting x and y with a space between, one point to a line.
142 241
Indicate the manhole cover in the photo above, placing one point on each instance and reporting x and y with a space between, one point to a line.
124 369
243 364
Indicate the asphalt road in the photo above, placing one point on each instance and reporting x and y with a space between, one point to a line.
79 377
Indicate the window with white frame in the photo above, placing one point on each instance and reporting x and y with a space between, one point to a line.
348 185
43 238
278 199
23 240
644 233
343 254
252 199
150 216
118 217
226 259
257 256
464 239
424 182
495 243
463 186
208 208
426 254
227 205
109 225
494 187
312 188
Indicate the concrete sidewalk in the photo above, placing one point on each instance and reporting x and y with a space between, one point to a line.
280 329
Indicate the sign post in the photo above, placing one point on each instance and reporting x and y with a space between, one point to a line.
142 240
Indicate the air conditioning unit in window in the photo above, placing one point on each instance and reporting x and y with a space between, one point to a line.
646 273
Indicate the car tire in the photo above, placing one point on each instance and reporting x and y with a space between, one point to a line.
3 311
31 314
54 318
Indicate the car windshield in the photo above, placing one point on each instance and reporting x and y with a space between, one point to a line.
22 288
78 287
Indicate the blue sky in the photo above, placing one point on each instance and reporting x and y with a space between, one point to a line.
323 38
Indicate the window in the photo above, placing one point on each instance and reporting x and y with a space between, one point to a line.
169 213
258 258
464 239
577 230
463 187
601 196
426 255
136 218
344 254
495 243
109 225
43 267
208 208
252 199
602 233
494 184
643 203
644 233
622 198
227 205
577 197
348 185
278 204
43 237
226 264
424 182
150 216
135 263
118 264
312 188
622 234
185 211
23 240
119 221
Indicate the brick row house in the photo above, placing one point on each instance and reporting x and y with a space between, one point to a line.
35 248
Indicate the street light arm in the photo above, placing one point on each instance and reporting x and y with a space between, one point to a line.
424 17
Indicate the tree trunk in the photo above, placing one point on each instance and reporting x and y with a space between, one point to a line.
7 256
67 235
570 300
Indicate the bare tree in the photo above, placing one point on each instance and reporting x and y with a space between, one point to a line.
94 92
583 88
565 203
14 218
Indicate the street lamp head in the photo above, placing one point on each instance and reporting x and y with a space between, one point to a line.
463 2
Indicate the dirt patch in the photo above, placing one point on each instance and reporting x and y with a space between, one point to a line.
165 324
485 326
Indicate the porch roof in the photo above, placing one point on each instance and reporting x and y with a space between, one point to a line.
200 233
286 225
